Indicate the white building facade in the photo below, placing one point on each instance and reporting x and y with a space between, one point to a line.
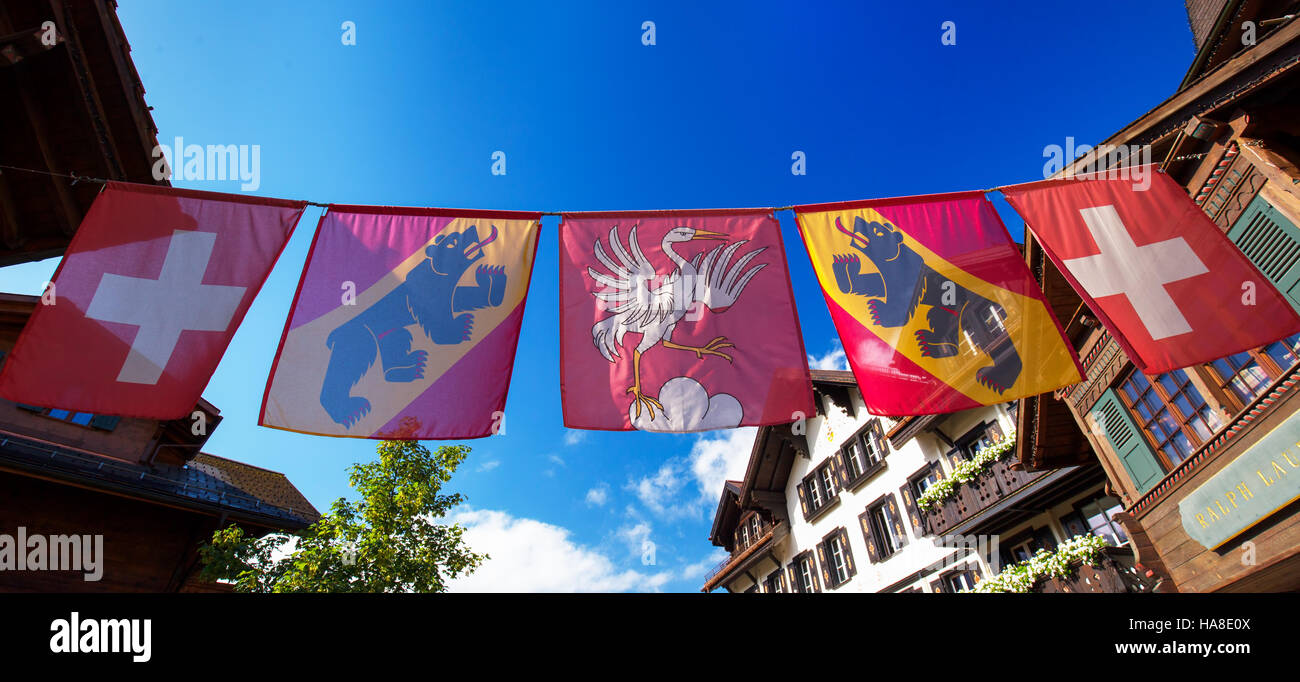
834 509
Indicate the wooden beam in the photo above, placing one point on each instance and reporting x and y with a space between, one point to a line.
89 94
132 88
69 210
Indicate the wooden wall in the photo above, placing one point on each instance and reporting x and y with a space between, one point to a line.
144 544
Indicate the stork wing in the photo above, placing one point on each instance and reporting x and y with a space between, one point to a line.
720 282
631 289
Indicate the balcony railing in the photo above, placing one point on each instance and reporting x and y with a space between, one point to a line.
994 485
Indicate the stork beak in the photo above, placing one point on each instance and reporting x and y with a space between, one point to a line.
705 234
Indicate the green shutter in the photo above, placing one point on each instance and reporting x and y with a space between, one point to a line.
1126 439
104 422
1272 243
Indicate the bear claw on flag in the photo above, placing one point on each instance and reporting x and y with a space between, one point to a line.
677 322
405 324
1159 274
151 290
934 304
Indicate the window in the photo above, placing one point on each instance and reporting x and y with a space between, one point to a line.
803 573
94 421
1023 546
1245 376
750 530
863 454
959 581
775 583
921 482
817 490
837 558
882 528
1171 412
1096 516
975 440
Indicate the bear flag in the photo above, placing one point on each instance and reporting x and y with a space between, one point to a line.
142 307
934 303
1159 274
678 322
405 324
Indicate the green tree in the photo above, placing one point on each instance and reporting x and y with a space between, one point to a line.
386 542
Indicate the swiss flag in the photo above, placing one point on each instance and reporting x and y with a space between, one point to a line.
1164 280
145 301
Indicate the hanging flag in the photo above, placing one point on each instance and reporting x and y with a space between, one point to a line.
142 307
678 322
934 304
405 324
1159 274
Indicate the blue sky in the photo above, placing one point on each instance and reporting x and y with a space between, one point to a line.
592 119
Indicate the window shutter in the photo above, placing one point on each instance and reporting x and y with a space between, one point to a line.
816 577
826 565
879 433
1126 439
104 422
848 551
994 431
803 500
839 470
954 457
793 571
937 585
937 469
869 534
913 513
1272 243
895 521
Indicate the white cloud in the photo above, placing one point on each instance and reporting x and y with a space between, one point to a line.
833 359
556 459
598 496
659 492
532 556
489 465
635 536
717 459
573 437
712 461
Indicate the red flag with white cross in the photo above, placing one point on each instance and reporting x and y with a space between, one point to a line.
144 303
1159 274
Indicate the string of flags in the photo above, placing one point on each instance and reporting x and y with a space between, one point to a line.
405 321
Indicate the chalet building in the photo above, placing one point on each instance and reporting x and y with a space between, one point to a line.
1203 459
835 508
74 104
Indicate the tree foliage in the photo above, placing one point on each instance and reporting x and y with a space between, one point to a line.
386 542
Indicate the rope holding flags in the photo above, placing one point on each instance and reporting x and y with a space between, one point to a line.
406 321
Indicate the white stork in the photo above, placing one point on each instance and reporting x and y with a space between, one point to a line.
650 304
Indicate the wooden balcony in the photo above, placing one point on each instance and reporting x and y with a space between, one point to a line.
742 555
997 483
1116 573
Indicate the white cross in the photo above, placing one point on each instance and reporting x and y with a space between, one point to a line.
162 308
1138 272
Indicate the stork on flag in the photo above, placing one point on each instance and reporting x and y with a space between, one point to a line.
405 324
678 322
934 304
142 307
1159 274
